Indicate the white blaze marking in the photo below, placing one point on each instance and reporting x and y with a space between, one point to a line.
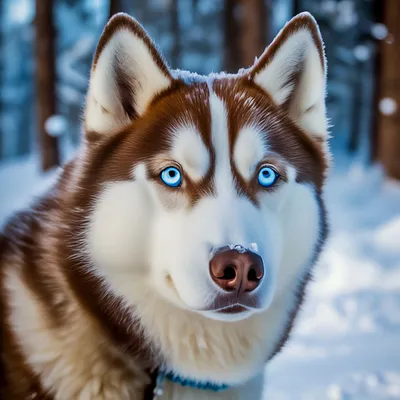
220 139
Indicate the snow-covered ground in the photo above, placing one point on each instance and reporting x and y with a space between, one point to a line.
346 344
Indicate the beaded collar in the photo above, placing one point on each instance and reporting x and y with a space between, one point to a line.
184 381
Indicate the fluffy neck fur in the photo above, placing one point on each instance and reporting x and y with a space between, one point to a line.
211 350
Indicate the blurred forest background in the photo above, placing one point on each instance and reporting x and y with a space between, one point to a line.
345 345
46 47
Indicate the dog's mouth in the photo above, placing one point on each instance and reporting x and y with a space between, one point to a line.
235 309
229 303
232 303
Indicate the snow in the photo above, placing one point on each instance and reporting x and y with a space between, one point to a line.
362 52
388 106
68 60
20 11
328 6
379 31
345 345
389 39
56 125
21 180
347 14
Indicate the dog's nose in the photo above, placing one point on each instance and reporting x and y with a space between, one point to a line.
234 270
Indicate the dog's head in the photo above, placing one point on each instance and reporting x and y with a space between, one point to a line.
205 189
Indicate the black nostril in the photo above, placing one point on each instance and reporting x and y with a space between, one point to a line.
252 274
229 272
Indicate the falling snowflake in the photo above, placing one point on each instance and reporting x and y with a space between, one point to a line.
362 52
328 6
347 15
56 125
379 31
388 106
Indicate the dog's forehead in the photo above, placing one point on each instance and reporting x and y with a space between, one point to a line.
237 120
232 121
198 110
228 135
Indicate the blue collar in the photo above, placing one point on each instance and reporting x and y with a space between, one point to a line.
188 382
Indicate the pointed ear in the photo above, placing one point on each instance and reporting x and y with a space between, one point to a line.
293 71
127 73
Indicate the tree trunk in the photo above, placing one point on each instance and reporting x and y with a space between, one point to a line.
296 7
377 11
246 31
253 28
356 115
388 118
231 36
45 81
2 67
114 8
176 48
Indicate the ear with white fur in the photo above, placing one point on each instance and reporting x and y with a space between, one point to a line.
293 71
127 73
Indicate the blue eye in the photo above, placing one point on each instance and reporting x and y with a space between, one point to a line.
267 176
171 176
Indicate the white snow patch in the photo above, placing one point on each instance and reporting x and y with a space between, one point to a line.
347 15
328 6
379 31
387 236
56 125
388 106
20 11
362 52
21 180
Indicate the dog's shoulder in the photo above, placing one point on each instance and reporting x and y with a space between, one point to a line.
17 379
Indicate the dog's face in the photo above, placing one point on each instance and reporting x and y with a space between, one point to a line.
205 190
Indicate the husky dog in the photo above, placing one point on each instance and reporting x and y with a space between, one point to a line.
170 258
